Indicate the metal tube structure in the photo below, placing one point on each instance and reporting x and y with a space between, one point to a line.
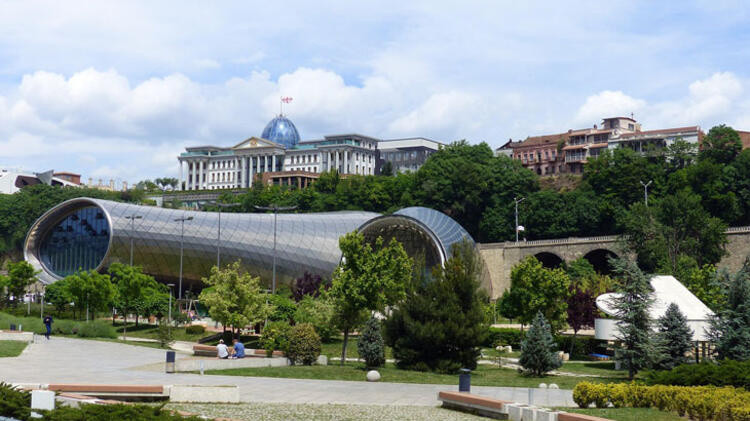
218 231
275 209
132 219
182 248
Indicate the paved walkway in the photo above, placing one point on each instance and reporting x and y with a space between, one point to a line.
66 360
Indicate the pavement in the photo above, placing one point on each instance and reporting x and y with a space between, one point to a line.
68 360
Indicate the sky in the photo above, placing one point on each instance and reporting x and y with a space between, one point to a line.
116 90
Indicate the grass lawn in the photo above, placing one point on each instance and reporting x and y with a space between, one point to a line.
148 331
605 369
483 376
283 411
333 349
11 348
628 414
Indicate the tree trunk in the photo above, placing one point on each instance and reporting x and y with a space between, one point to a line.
125 328
343 349
572 343
136 319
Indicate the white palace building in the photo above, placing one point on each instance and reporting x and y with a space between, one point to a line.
279 157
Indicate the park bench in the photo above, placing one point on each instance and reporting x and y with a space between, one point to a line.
475 404
112 390
210 351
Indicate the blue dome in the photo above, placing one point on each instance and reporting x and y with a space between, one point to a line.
282 131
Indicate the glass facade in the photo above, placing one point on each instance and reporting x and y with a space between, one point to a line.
79 241
91 234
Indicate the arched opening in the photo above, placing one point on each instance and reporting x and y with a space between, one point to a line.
549 260
599 259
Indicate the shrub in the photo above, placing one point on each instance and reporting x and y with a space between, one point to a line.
284 308
96 329
504 336
539 350
308 285
370 345
726 373
164 334
582 347
195 329
320 313
14 403
304 344
275 336
115 412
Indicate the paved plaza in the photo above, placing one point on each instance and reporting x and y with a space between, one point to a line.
66 360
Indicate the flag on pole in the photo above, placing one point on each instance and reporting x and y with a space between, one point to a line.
520 228
286 99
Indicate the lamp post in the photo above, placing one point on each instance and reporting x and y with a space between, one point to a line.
182 248
218 233
132 219
645 190
169 310
517 200
275 209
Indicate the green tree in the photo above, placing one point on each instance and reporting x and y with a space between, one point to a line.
57 294
730 328
681 154
234 298
319 312
534 289
631 307
369 278
90 290
387 169
702 282
20 276
130 284
441 324
674 337
721 144
4 284
371 346
538 349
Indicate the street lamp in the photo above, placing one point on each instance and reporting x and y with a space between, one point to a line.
132 230
517 200
645 190
182 248
218 234
169 311
275 209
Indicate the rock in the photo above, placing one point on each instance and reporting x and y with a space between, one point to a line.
508 348
322 360
499 348
373 376
566 357
553 386
542 385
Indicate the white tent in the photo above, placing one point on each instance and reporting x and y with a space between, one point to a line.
667 290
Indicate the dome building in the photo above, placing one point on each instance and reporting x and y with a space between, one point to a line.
281 130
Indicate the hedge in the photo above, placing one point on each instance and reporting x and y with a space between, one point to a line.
726 373
504 336
582 347
707 403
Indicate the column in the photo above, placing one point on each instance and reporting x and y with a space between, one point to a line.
337 161
273 163
200 175
320 161
346 162
251 163
180 163
241 179
265 163
193 174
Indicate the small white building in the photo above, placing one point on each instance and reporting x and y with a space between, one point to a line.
667 290
12 181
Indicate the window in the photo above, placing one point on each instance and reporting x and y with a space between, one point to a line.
631 126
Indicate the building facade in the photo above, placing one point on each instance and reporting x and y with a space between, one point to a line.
568 152
280 157
12 181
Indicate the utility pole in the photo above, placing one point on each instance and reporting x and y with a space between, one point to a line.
275 209
169 312
182 247
218 234
645 190
132 231
517 200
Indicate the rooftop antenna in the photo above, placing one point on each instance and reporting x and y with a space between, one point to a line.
284 100
632 117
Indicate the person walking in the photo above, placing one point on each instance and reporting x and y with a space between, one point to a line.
48 325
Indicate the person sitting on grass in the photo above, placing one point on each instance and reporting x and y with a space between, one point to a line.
239 349
221 350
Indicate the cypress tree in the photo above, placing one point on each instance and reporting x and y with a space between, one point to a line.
538 349
441 324
730 328
631 306
370 345
674 338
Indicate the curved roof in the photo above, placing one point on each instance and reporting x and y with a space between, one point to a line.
443 226
282 131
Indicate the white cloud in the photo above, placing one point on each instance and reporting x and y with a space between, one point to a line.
607 104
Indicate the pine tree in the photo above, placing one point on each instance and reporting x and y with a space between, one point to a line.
730 328
371 346
631 306
539 350
441 324
674 337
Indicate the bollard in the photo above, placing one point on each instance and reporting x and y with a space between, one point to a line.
201 368
170 362
531 396
464 380
43 400
12 327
